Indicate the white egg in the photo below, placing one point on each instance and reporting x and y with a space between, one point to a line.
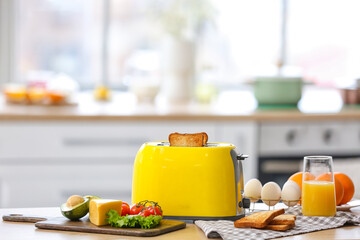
252 189
290 193
271 193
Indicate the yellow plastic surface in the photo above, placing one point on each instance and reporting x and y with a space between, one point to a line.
99 207
186 181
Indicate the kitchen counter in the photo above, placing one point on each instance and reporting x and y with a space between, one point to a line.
13 230
316 104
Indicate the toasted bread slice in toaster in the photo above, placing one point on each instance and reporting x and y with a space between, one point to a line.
283 219
282 227
258 219
205 138
188 139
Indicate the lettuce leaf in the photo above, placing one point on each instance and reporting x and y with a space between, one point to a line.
132 221
149 221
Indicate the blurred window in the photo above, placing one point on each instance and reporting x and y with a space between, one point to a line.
241 40
323 40
67 36
248 38
59 36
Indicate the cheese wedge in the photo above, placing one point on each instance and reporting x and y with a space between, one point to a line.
99 207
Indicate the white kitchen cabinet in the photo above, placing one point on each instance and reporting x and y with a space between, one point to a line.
43 163
30 183
244 136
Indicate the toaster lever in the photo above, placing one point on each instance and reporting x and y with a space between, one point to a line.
242 157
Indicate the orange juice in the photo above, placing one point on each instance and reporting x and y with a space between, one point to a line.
318 198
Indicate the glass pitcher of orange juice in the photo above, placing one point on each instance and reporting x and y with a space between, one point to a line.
318 187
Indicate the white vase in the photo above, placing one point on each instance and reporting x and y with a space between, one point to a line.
178 70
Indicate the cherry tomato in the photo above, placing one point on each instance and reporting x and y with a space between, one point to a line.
125 210
144 213
136 208
157 210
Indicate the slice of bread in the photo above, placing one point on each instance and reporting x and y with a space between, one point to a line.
205 138
188 139
283 219
282 227
258 219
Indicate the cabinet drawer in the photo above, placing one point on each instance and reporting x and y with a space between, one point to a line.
337 138
86 140
49 185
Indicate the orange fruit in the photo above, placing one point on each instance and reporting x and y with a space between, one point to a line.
55 97
298 178
348 185
339 189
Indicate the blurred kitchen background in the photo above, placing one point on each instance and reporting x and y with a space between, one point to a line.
86 82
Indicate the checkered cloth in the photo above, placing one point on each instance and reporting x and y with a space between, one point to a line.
227 231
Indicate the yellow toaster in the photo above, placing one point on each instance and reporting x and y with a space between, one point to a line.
190 183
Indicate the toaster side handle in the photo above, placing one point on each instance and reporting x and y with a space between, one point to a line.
242 156
239 186
245 203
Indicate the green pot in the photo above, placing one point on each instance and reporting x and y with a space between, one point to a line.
278 90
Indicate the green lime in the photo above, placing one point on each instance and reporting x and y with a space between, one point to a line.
75 212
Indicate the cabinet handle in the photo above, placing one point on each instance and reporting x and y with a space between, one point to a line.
96 142
328 135
290 137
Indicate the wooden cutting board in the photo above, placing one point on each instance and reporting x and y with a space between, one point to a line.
63 224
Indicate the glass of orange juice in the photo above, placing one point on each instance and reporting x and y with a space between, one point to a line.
318 187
